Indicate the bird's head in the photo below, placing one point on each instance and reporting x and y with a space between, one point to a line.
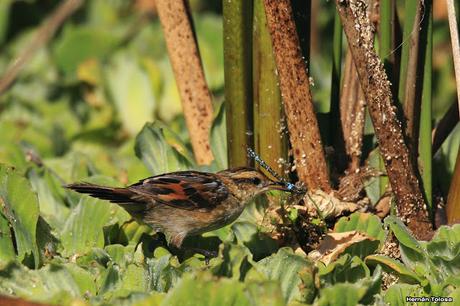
249 182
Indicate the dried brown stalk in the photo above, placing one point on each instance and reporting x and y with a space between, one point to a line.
295 91
455 43
15 301
352 113
411 109
43 35
374 82
185 58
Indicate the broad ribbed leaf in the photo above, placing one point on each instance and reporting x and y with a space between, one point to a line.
83 229
153 149
284 267
20 207
205 290
219 138
7 252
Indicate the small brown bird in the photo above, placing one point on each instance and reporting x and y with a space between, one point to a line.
187 203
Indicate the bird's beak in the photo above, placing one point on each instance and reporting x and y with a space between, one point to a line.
286 186
278 186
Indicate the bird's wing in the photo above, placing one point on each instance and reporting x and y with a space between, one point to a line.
188 190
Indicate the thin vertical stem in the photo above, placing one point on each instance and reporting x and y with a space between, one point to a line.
425 148
188 70
411 101
270 133
386 37
410 9
376 88
334 112
352 114
237 15
303 127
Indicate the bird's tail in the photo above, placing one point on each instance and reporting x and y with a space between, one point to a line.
115 195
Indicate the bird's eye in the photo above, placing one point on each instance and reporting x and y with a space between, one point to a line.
256 180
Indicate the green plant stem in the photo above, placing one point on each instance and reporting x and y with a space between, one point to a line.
270 133
425 148
334 112
410 9
237 15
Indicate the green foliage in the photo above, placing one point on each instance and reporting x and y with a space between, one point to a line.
156 144
19 206
434 266
103 92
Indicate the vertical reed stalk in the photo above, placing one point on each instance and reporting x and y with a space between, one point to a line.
237 15
411 100
376 88
352 114
303 127
425 148
409 18
270 132
186 62
454 36
334 112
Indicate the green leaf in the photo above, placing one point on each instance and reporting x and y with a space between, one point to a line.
4 18
209 34
233 261
284 267
54 284
362 290
7 253
153 149
83 229
131 92
342 294
121 255
250 235
50 196
78 44
73 167
205 290
361 222
266 293
443 252
162 273
219 138
345 269
365 223
20 207
412 252
393 266
396 294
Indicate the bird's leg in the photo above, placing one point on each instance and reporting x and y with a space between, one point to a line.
176 243
208 255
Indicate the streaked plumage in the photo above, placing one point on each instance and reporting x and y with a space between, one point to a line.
186 203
